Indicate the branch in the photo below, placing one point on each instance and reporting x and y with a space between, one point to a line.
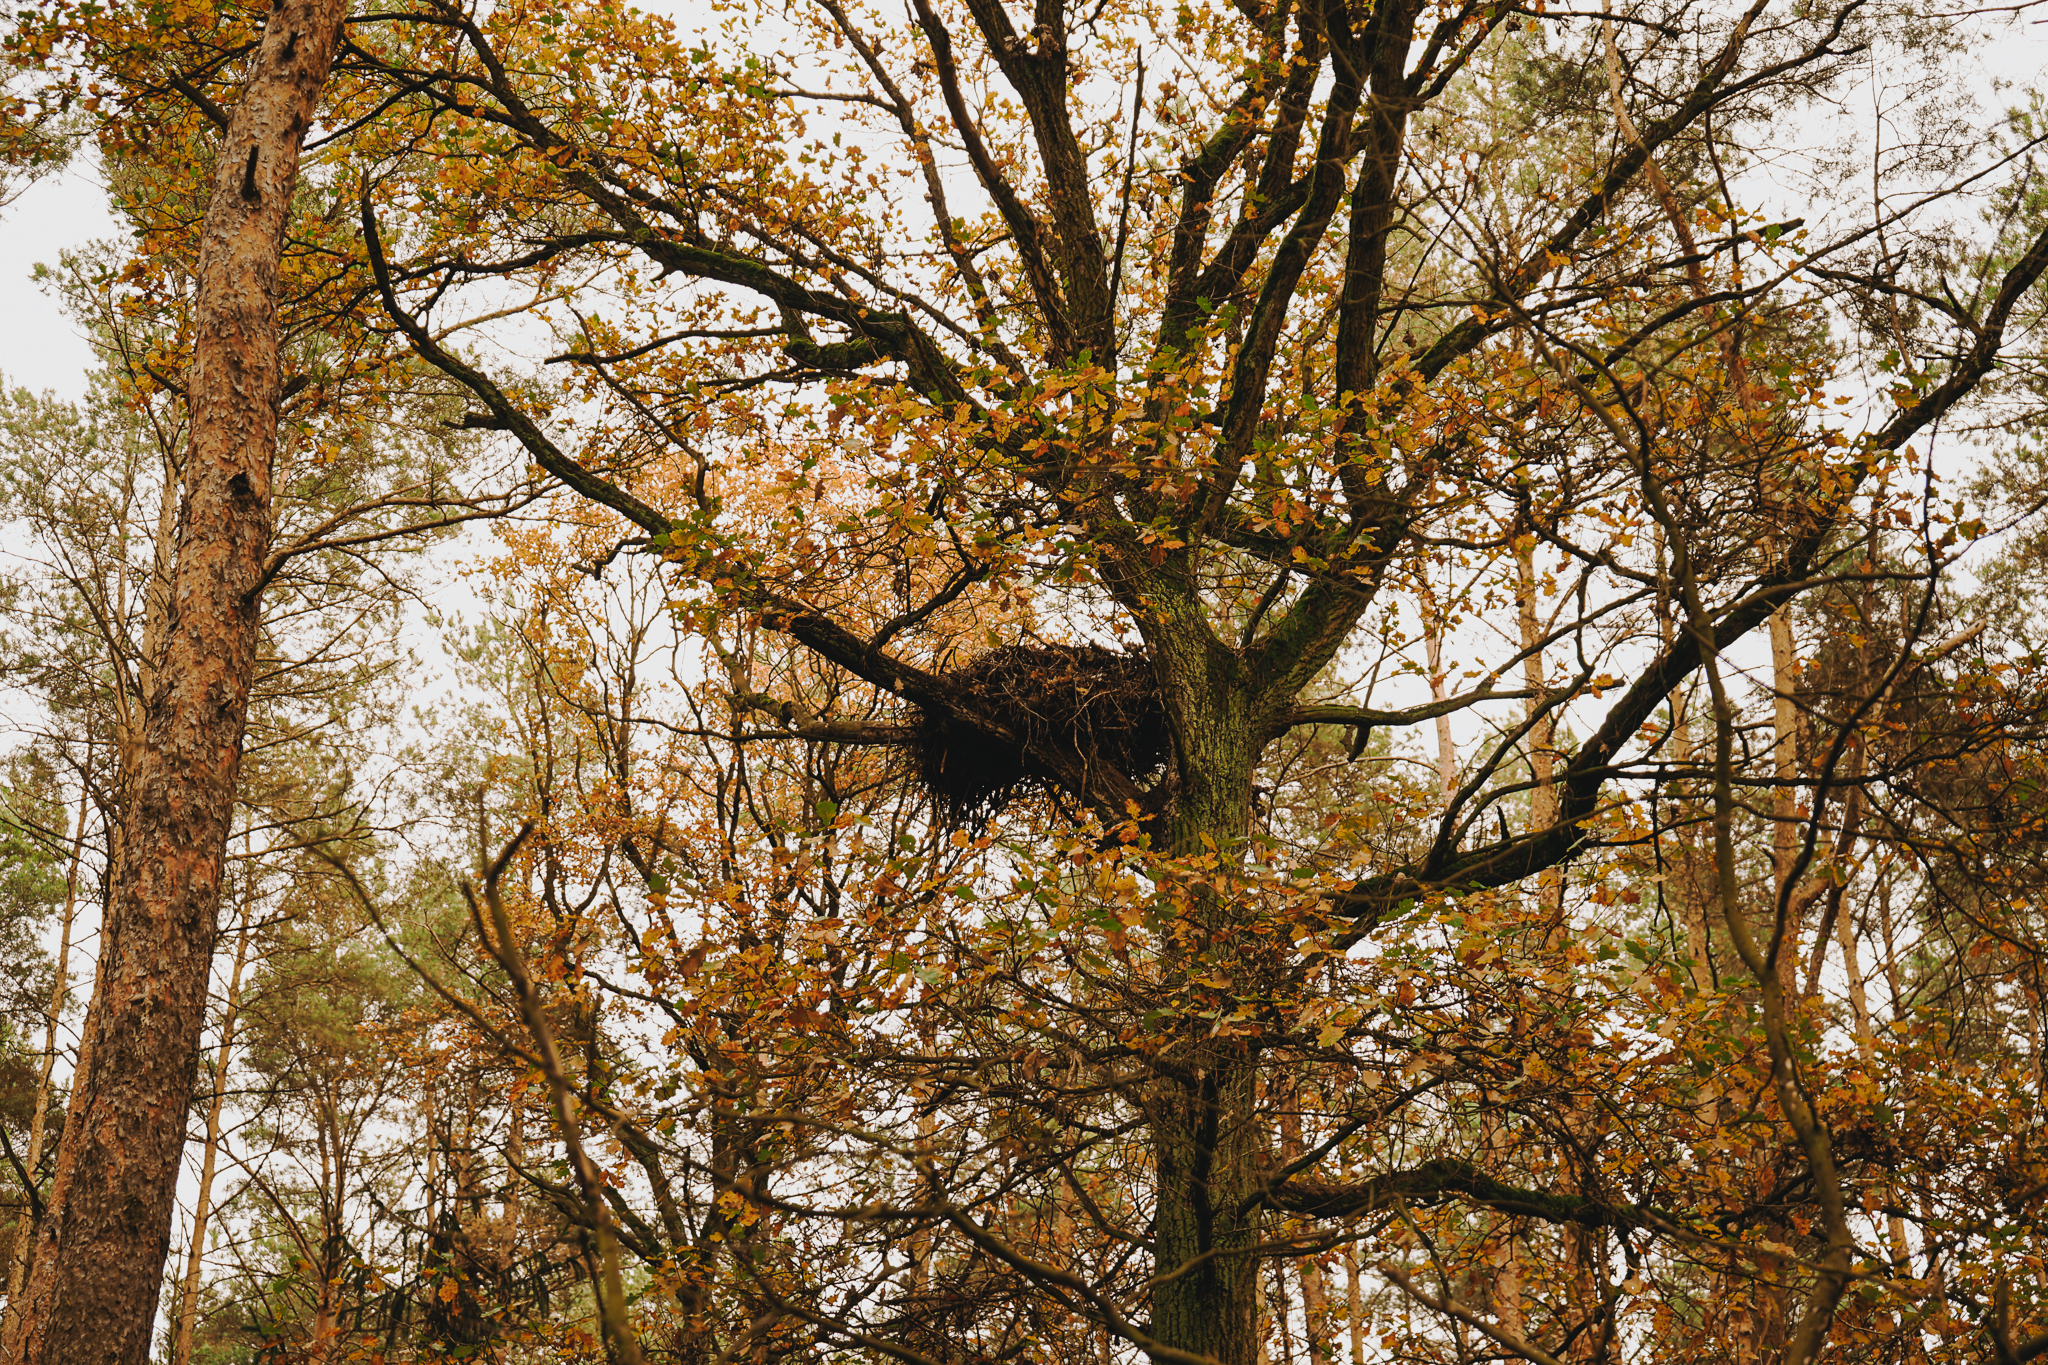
1976 362
1052 1275
1435 1182
689 334
1025 229
28 1185
823 731
1367 718
544 451
1452 1308
213 112
1707 92
1368 902
1109 793
310 542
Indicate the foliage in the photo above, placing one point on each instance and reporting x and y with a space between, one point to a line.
982 893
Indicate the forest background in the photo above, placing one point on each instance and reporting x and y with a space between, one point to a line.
1490 817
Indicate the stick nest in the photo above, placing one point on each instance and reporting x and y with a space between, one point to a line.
1101 703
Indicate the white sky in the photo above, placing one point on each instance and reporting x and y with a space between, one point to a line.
40 348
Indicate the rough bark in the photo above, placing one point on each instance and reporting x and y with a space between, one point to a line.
1204 1140
1206 1131
101 1248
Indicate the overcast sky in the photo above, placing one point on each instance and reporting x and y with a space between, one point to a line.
39 347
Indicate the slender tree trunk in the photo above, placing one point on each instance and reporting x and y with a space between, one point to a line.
1773 1312
1315 1313
92 1298
1439 689
17 1271
330 1261
1785 832
195 1259
1282 1310
1315 1299
1542 738
1354 1305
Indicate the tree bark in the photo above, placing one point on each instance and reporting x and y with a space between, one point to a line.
1204 1141
101 1248
1354 1305
1207 1124
1207 1130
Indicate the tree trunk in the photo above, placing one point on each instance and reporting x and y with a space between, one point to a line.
100 1251
1439 689
202 1201
1354 1305
1207 1132
1315 1302
1785 816
1205 1146
17 1273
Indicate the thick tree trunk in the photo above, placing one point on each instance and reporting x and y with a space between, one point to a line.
92 1298
1206 1149
1207 1130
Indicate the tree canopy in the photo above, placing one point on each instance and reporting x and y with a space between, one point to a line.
1178 682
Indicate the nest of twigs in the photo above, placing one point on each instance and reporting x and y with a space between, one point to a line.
1102 704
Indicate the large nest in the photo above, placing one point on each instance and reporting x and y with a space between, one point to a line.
1103 704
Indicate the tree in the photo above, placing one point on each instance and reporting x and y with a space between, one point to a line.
1226 372
326 1067
93 1291
91 490
94 488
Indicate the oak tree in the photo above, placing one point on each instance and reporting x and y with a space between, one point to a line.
1225 337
